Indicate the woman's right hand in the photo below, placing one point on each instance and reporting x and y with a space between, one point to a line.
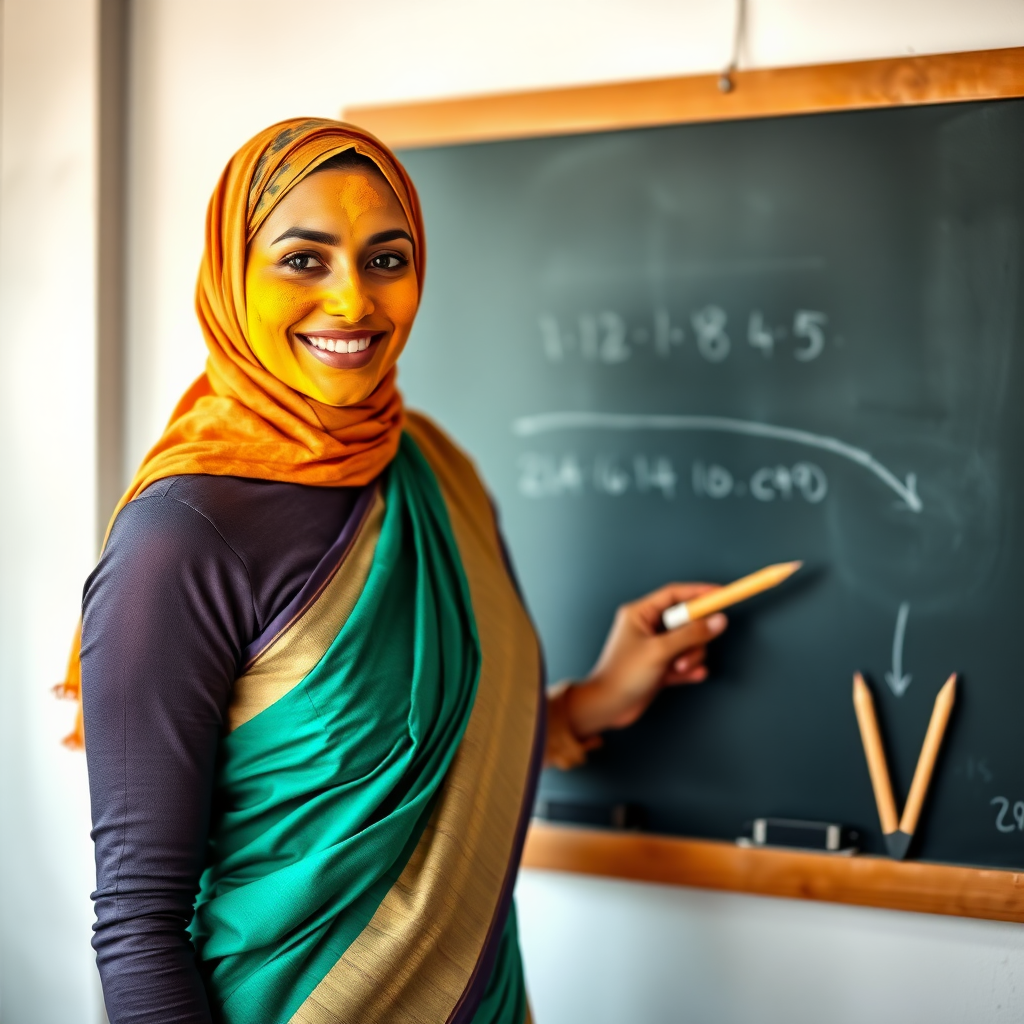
638 661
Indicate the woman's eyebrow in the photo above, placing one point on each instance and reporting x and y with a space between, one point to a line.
308 235
388 236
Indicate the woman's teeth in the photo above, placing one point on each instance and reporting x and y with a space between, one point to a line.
340 344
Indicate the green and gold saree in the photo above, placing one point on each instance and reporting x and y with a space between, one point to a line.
376 781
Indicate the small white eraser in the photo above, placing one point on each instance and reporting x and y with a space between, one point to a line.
832 836
677 615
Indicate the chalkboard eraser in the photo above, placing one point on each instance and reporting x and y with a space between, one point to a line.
822 836
619 816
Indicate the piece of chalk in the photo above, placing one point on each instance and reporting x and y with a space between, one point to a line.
677 615
732 593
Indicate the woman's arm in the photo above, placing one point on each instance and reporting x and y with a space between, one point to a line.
164 616
636 663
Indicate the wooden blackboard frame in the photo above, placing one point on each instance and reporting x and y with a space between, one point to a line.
859 85
902 81
861 881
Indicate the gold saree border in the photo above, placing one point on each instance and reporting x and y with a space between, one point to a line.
414 960
296 651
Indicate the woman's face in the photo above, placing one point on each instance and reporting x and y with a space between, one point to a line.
330 285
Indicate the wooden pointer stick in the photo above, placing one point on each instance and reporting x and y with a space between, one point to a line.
732 593
926 762
864 705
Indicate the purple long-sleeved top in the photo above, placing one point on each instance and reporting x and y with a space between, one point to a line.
194 570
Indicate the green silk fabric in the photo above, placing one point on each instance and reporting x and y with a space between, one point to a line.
322 797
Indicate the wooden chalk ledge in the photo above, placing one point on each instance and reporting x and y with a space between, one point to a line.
863 880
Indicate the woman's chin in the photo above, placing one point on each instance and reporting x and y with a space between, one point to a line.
339 389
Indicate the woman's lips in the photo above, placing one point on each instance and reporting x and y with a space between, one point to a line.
344 350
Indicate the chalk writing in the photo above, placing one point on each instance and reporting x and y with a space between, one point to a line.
769 483
976 767
543 423
896 678
546 475
712 341
543 475
605 336
1012 823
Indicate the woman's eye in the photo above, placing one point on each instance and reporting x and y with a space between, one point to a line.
387 261
302 261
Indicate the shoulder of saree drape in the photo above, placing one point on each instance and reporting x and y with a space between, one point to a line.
428 952
282 656
378 773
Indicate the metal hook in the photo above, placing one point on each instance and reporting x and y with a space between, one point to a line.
725 81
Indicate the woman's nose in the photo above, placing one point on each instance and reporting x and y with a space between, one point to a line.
346 297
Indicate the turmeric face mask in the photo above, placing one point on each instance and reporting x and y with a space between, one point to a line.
331 287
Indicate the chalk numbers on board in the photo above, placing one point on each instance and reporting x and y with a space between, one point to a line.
553 476
606 337
709 326
769 483
1009 817
546 475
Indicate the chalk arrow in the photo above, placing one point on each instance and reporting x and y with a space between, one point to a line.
909 493
542 423
898 682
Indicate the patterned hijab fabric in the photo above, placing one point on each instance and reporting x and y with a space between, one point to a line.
238 419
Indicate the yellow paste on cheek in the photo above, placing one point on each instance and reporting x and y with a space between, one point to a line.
272 306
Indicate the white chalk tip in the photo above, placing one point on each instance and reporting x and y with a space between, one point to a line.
676 616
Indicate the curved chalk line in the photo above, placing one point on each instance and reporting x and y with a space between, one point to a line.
543 423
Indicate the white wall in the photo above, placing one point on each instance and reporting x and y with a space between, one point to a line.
47 355
206 75
613 951
599 951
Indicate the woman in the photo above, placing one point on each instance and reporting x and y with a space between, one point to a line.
313 700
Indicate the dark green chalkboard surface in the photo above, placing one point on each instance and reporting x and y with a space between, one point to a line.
687 352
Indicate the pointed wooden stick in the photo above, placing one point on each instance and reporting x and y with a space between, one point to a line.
864 705
731 593
926 760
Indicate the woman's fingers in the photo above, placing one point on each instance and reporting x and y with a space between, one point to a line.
650 607
691 659
637 660
694 675
689 668
698 633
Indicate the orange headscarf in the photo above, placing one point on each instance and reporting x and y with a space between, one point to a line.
238 419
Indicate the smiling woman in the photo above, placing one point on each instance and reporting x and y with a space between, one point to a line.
336 252
312 696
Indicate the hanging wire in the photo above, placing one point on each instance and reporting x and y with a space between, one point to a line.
725 82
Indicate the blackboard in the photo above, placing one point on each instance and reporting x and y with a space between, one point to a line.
687 352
